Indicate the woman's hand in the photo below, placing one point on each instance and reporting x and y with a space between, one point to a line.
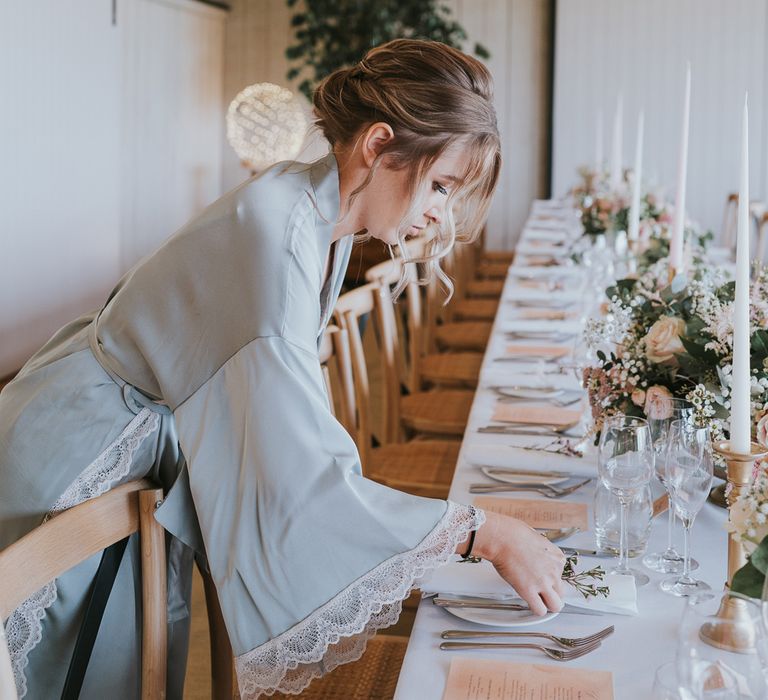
525 559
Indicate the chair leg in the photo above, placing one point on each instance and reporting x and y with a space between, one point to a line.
222 686
154 589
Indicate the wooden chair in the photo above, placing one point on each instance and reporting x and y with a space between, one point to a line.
440 412
423 368
76 534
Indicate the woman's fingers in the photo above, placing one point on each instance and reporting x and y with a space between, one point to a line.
552 600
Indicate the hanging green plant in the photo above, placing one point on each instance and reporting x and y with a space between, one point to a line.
331 34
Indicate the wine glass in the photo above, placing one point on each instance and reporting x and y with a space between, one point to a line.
707 668
688 477
625 465
660 415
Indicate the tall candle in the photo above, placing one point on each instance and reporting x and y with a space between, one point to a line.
616 146
634 210
599 142
678 226
741 420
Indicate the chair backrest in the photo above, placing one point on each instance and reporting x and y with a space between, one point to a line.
76 534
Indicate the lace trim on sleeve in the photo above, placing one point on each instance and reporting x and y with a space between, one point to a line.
24 627
337 632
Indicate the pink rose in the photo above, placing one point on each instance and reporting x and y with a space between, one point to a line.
663 339
638 397
657 403
761 430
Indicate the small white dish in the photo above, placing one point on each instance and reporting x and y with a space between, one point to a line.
500 618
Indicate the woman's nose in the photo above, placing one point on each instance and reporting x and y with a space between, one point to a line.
434 214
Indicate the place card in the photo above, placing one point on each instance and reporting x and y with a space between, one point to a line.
485 679
543 315
547 514
535 415
545 352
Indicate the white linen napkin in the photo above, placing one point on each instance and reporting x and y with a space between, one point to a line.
482 581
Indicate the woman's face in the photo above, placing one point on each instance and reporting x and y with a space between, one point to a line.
387 197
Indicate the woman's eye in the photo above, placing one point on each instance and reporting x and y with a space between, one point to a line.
439 188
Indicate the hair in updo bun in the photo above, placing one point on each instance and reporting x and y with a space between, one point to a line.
433 96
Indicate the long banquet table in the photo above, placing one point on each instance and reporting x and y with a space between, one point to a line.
640 643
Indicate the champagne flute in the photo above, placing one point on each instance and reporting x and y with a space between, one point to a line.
688 476
625 465
660 415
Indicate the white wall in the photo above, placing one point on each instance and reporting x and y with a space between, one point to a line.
640 48
110 139
514 31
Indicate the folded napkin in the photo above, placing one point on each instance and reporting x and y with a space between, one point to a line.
535 231
535 415
544 314
482 581
545 352
553 327
519 270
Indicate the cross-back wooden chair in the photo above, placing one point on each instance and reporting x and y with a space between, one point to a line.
74 535
439 412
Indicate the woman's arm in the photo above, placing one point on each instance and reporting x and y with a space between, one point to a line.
524 558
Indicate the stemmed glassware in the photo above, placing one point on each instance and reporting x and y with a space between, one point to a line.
660 415
711 671
688 477
625 465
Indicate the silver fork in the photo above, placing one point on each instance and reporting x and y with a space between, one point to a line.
568 642
543 489
557 654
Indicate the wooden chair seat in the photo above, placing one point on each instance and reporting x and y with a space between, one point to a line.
485 289
498 256
492 270
440 412
461 368
420 467
463 336
475 309
373 677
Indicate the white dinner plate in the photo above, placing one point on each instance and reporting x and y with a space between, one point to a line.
497 474
500 618
529 393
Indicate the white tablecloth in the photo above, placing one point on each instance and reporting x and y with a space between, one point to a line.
640 644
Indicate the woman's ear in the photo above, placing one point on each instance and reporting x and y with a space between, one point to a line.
374 138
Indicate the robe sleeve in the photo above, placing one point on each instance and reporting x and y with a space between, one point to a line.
309 557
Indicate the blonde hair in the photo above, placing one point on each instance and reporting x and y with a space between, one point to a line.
434 97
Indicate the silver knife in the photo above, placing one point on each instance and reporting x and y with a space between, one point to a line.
528 472
602 554
511 604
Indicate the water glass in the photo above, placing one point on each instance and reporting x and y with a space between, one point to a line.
688 476
625 466
660 415
709 671
607 517
665 683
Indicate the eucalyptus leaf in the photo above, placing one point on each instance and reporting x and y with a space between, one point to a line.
748 581
759 557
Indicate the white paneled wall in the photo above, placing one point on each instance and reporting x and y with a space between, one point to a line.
110 139
514 31
640 48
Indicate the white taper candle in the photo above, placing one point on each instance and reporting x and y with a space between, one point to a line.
634 210
741 420
678 226
616 146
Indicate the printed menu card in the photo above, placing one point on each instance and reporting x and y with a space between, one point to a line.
538 513
488 679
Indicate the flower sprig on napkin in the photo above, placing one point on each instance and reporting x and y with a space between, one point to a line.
578 579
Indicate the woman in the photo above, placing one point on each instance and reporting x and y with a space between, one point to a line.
201 372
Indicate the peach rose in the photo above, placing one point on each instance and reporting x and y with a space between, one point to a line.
657 404
663 339
638 397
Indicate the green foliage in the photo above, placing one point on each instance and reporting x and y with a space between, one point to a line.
331 34
749 579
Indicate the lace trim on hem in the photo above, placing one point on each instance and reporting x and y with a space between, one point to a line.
24 627
338 632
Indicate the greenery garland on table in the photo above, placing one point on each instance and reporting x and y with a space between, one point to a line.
331 34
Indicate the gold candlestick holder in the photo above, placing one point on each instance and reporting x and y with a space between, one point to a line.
739 635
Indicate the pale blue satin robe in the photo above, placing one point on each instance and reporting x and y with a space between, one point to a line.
201 372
